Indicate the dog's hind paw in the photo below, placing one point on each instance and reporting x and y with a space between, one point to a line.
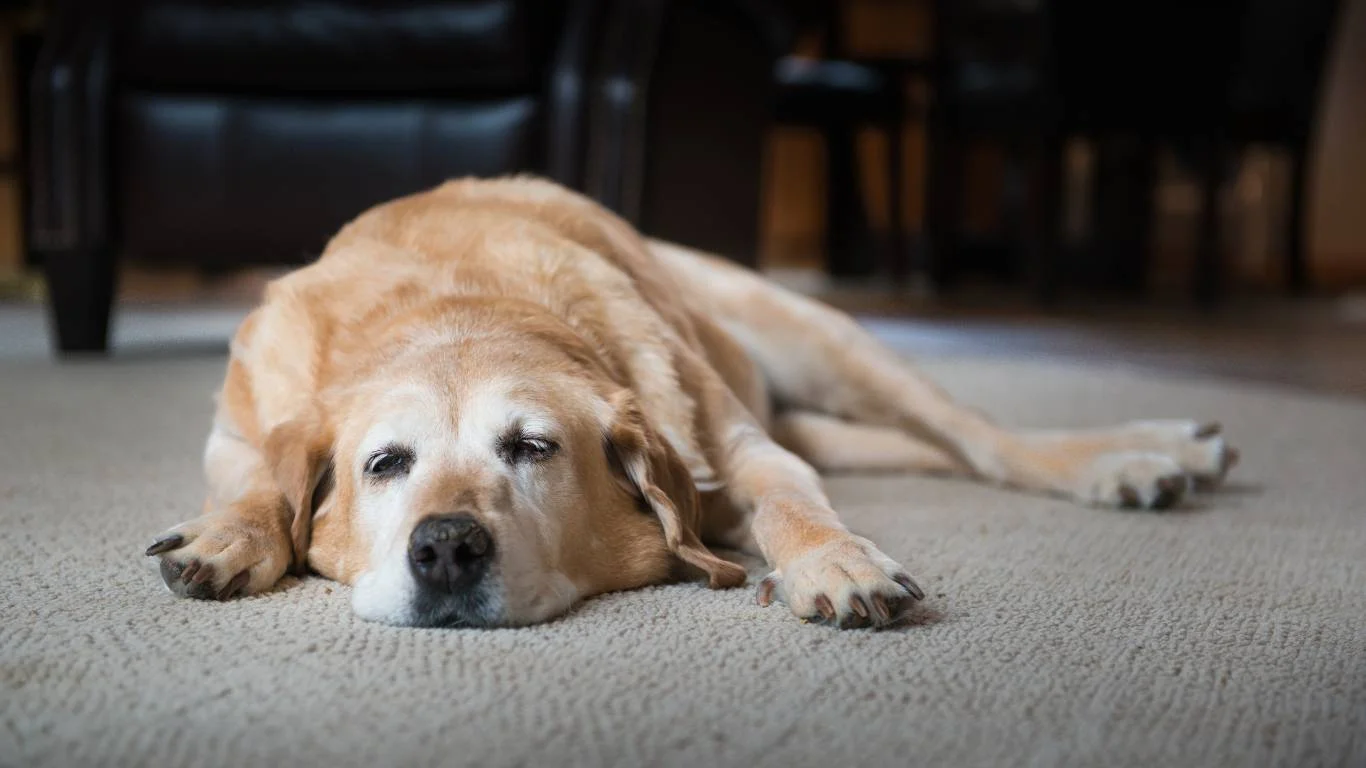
1134 480
1148 464
1200 448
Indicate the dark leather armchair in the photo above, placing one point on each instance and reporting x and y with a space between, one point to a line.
229 133
223 133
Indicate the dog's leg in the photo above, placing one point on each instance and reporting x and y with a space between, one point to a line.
835 445
820 569
241 545
260 465
816 358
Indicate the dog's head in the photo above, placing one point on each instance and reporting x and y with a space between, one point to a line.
489 480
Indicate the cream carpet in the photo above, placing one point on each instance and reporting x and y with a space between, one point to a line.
1231 632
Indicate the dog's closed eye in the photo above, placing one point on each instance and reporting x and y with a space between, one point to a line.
389 462
520 447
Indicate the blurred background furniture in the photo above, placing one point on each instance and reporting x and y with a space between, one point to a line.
1153 74
1204 80
993 84
838 94
682 99
1229 74
19 43
1276 99
225 134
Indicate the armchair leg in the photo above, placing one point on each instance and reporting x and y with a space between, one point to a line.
80 285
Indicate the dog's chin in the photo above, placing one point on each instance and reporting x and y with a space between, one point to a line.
477 607
465 611
389 596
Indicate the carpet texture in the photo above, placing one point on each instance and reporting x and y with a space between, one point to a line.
1230 632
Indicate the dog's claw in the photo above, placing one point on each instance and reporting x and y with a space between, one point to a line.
765 594
1206 431
1128 496
236 585
882 613
202 574
165 544
852 621
1169 490
908 584
859 606
826 608
1231 456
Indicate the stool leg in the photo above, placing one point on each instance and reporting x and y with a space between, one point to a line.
1296 271
943 207
899 260
1045 240
848 237
1209 259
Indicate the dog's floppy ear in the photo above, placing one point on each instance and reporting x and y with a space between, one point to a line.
650 469
299 454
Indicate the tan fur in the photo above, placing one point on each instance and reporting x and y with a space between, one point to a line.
665 372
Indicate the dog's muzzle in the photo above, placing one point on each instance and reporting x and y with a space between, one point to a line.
449 555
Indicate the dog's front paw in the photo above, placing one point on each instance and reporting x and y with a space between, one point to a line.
221 556
846 582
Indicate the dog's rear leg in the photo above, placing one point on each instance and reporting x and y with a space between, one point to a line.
834 445
816 358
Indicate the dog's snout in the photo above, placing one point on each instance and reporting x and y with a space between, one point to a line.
449 553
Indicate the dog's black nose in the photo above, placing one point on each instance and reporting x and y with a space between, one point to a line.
449 553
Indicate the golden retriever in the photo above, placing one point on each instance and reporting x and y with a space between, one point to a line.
490 400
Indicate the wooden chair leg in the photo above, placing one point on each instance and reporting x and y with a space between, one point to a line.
1209 258
848 236
898 259
943 215
1045 241
1123 195
1144 217
1296 270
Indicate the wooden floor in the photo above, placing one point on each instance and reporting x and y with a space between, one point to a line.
1317 344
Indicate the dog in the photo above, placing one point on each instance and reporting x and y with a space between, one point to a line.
492 399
